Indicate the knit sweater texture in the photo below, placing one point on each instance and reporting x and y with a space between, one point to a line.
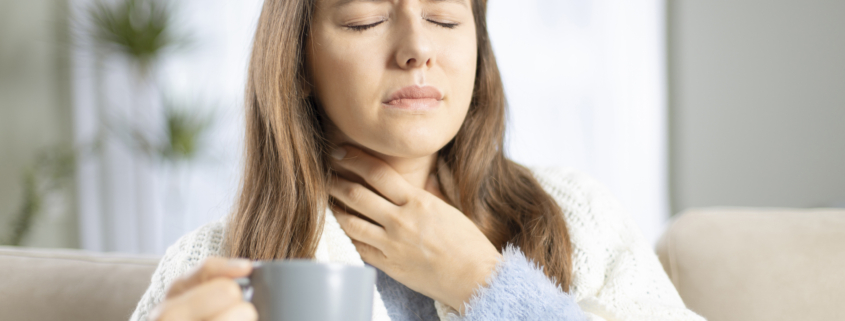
616 275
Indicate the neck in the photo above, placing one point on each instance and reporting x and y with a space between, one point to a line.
416 170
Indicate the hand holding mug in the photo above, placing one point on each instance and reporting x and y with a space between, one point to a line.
208 292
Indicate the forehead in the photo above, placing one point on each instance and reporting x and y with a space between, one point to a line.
340 3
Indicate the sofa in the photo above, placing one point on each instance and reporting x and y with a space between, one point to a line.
727 264
41 284
758 264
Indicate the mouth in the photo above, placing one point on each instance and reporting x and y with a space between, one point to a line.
414 98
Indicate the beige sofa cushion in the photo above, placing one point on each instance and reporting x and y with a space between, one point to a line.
758 264
70 284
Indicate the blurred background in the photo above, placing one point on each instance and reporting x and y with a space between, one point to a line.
121 120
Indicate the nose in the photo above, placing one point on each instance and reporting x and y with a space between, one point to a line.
414 47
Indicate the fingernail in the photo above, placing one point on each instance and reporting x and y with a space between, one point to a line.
239 263
339 153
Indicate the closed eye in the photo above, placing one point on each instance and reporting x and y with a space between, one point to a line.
443 24
364 27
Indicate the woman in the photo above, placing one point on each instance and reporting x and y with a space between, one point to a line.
386 118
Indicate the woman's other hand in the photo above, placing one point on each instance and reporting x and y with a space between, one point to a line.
208 292
420 240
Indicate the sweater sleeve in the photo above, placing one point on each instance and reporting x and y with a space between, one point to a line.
179 258
617 275
519 290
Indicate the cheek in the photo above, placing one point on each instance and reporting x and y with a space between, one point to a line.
459 62
346 77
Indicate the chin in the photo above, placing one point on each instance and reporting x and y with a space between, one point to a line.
401 138
406 146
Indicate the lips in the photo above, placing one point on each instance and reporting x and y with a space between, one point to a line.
415 98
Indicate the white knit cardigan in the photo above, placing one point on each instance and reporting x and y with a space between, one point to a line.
616 275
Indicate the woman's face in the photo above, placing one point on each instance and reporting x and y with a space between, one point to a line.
361 53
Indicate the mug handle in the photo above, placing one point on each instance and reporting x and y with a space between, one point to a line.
246 288
246 284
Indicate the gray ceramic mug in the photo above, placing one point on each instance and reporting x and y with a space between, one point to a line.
294 290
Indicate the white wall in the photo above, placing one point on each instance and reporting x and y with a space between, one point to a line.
757 102
585 84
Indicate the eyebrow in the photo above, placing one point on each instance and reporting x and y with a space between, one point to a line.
341 3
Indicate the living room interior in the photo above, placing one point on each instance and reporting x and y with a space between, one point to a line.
719 125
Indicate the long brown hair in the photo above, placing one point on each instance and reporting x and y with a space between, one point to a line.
284 196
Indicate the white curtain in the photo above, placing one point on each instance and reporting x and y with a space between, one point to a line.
584 80
586 88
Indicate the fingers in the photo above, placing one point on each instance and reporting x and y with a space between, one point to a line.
375 172
210 268
359 229
363 200
201 302
243 311
369 253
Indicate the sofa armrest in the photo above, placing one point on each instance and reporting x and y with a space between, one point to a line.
42 284
758 264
